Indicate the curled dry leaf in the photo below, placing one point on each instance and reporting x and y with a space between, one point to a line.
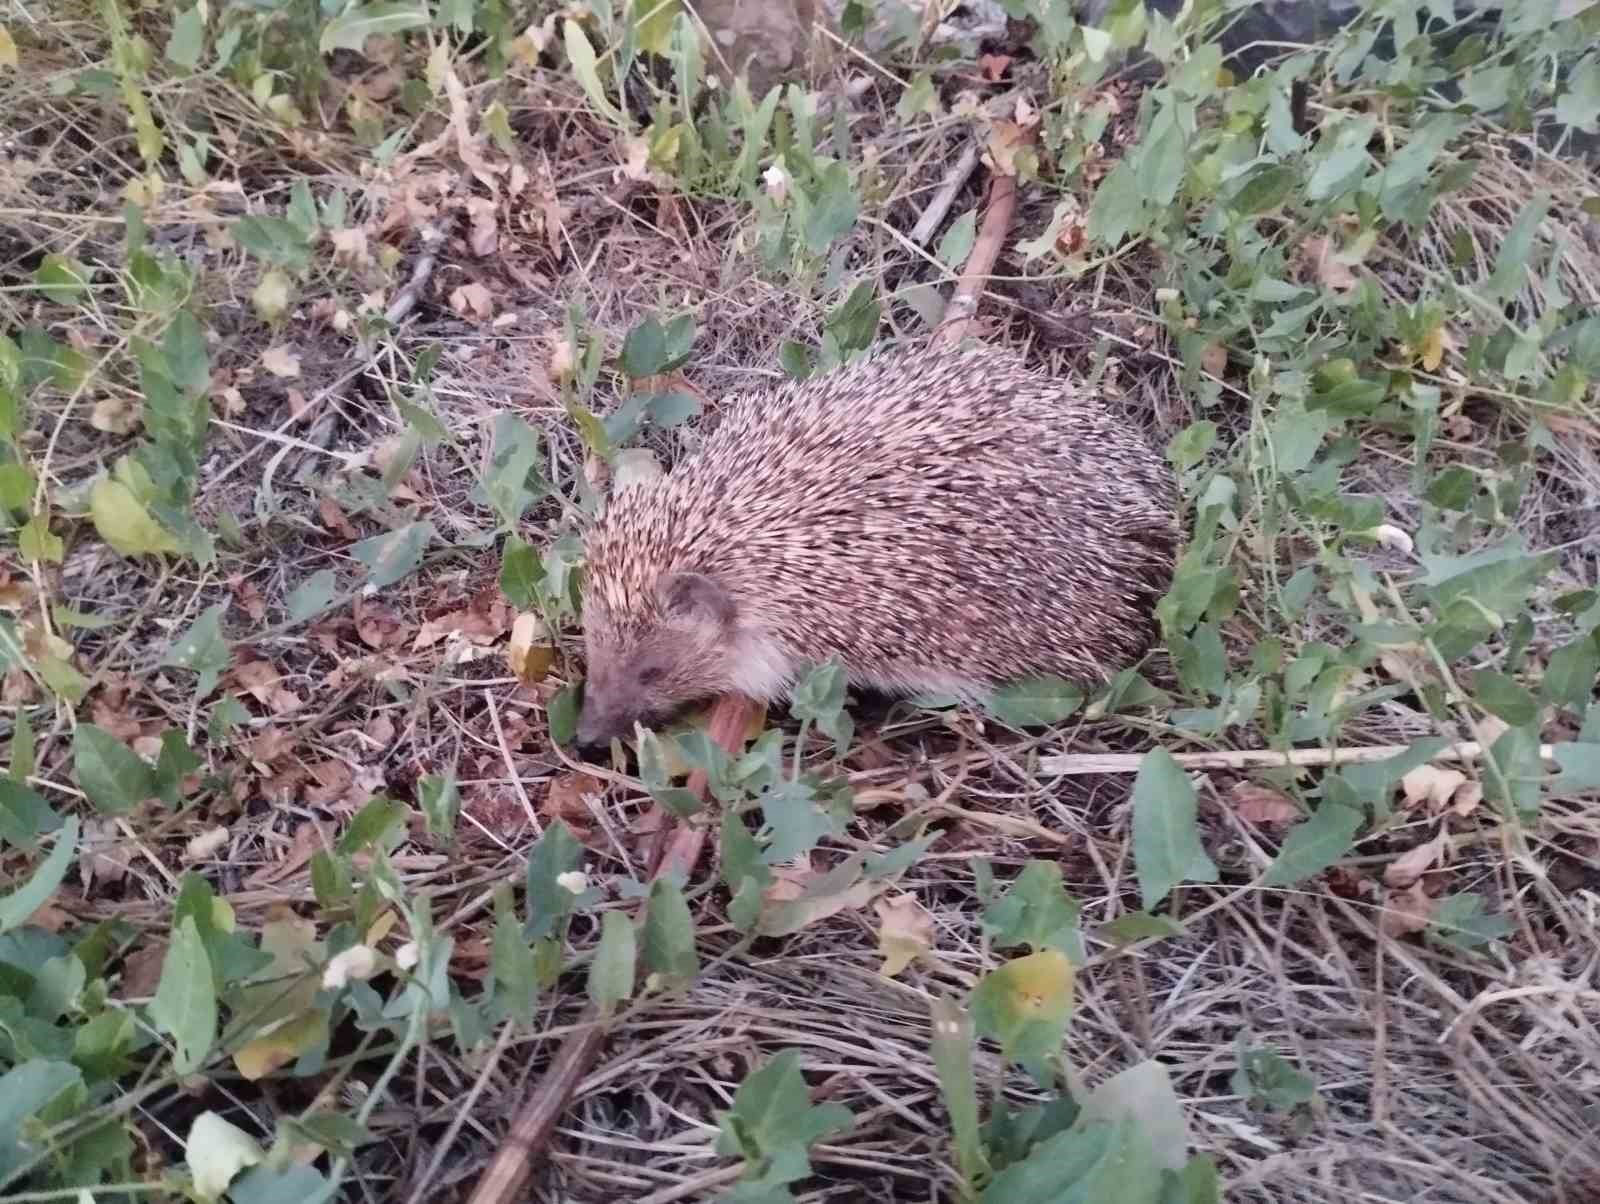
103 853
1411 865
377 625
265 684
1431 784
115 415
248 597
205 845
282 361
1320 260
1407 911
334 518
1262 805
472 301
905 932
1214 359
350 246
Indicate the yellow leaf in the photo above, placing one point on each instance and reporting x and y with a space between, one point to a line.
36 542
8 48
653 24
124 523
529 660
284 1044
1433 349
905 932
1039 984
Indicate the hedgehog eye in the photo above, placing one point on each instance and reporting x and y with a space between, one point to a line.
650 675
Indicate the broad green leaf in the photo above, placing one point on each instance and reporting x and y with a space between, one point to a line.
1265 188
833 209
644 350
1100 1163
1502 695
275 240
16 907
203 650
187 39
392 557
1036 911
1269 1080
25 1091
61 279
1515 771
1579 105
520 572
669 934
291 1185
1513 263
188 362
24 814
1570 674
550 900
440 800
956 244
1038 702
115 778
1025 1005
1580 767
312 596
1166 834
1461 923
185 1004
587 68
1137 926
216 1152
562 713
1314 845
124 523
380 824
611 971
1145 1093
351 28
773 1122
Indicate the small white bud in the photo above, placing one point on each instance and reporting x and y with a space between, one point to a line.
1391 537
407 955
777 182
573 880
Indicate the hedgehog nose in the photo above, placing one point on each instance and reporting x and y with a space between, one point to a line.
594 728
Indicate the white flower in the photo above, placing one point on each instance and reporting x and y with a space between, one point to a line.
574 880
407 955
1392 538
356 962
777 182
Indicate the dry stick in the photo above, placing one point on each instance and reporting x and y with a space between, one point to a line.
1070 764
958 315
548 1098
937 208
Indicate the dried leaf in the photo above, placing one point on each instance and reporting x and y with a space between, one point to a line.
1320 259
529 658
265 684
249 597
472 301
993 66
282 361
1431 784
334 518
1411 865
115 415
378 625
1407 911
205 845
1214 359
905 932
1262 805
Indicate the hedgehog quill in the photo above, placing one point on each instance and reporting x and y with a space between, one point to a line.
943 521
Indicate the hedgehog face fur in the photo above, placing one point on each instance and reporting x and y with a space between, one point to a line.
943 520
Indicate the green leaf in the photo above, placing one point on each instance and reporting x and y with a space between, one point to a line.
1569 676
124 523
611 971
773 1122
61 279
952 1043
312 596
644 350
558 852
25 1091
1580 767
381 823
587 68
796 359
351 28
185 1004
115 778
1460 923
275 240
1025 1005
203 650
1098 1162
22 749
562 713
1036 911
1037 702
956 244
21 903
1263 189
833 209
669 934
1514 761
1166 834
1137 926
17 483
1314 845
392 557
292 1185
1159 159
24 814
1512 264
187 39
1268 1080
1502 695
440 801
1118 206
188 362
520 573
1579 105
1144 1093
514 464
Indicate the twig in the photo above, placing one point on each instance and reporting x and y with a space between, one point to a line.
548 1098
1002 202
937 208
1070 764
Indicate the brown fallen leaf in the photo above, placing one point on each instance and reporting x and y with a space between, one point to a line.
377 625
905 932
1214 359
103 853
529 657
1257 804
265 684
116 415
472 301
1412 864
993 66
248 596
1319 259
281 361
330 782
1407 911
334 518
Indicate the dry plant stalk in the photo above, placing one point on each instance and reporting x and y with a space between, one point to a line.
678 848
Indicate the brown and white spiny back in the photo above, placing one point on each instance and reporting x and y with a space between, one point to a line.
943 520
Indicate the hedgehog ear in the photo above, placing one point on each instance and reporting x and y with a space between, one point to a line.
695 595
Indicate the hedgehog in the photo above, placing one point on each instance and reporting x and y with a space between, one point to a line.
944 521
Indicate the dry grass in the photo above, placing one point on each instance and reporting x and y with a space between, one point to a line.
1440 1078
